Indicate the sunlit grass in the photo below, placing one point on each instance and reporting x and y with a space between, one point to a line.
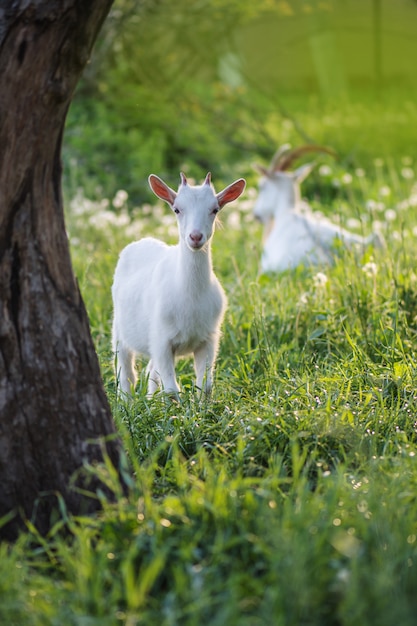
289 496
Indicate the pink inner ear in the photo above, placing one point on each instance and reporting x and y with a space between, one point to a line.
183 179
161 190
208 179
231 192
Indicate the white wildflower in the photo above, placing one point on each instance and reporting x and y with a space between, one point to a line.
303 299
370 269
384 191
403 205
390 215
120 198
373 205
407 173
353 223
134 230
360 173
233 219
347 179
146 209
325 170
103 219
378 226
320 280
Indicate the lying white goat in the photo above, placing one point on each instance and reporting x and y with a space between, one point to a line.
294 234
167 300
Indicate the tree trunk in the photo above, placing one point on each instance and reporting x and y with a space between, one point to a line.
53 409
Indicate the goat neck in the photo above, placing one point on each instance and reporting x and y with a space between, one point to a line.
194 267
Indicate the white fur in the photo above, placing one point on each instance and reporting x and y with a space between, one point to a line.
167 300
296 235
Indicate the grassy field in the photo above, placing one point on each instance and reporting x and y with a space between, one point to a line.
289 497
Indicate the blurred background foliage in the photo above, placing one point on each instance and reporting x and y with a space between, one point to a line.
219 84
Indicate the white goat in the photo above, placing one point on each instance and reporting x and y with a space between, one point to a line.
167 300
294 235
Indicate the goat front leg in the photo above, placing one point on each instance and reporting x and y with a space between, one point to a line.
163 368
154 380
204 357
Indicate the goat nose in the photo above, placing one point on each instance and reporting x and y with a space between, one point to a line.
196 236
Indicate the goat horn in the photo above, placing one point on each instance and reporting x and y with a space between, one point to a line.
261 169
208 179
274 165
183 178
286 160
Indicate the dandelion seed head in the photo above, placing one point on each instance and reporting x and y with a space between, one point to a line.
303 299
390 215
353 223
407 173
378 226
120 199
370 269
384 191
373 205
325 170
319 280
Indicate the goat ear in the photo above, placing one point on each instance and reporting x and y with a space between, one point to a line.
302 172
161 189
231 192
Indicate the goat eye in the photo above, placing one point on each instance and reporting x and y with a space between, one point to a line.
177 211
215 211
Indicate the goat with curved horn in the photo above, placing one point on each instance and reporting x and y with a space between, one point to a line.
294 235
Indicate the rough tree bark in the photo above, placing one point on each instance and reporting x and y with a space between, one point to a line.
53 408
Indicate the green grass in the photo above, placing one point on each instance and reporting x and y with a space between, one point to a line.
290 496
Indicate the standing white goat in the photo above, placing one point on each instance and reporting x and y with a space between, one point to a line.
167 300
294 235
